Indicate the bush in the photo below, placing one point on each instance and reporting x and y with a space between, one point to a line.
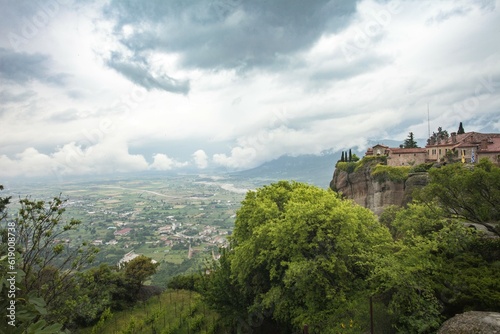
422 167
383 173
185 282
371 160
348 167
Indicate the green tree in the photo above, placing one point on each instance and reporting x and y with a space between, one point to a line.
460 129
138 270
4 201
437 137
96 290
471 193
21 312
299 255
110 235
438 268
46 264
223 293
46 259
410 142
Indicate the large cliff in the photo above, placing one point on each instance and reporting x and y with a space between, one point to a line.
375 192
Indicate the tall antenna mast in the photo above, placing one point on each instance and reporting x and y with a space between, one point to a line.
428 121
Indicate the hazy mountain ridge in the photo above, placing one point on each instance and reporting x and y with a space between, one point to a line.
310 168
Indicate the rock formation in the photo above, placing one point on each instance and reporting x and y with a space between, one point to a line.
376 195
472 322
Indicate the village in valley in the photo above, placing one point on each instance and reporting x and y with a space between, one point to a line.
169 218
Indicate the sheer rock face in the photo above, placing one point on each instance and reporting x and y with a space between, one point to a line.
472 322
363 189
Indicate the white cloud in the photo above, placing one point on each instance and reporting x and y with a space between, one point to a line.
240 157
163 162
200 159
71 159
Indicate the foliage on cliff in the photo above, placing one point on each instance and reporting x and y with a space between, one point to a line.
382 173
378 169
353 166
438 268
470 192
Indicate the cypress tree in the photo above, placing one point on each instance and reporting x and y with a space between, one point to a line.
342 157
350 155
460 129
410 142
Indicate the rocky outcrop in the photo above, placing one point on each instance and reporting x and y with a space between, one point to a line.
472 322
374 194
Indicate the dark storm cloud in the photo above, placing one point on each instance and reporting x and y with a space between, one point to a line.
228 34
139 73
20 67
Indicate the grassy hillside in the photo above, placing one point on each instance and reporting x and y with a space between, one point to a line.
173 312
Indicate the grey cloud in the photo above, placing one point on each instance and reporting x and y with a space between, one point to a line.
76 94
228 33
342 70
444 15
20 67
9 97
139 73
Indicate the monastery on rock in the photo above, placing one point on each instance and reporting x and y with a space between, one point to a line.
468 147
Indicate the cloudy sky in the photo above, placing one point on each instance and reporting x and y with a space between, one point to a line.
89 87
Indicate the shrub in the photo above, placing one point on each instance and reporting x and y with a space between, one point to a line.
422 167
383 173
348 167
371 161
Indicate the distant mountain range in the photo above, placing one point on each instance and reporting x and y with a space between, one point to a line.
310 168
313 169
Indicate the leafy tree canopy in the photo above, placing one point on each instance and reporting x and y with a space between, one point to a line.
438 136
139 269
438 268
297 250
468 192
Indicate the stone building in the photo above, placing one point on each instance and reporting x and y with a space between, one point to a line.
467 147
399 156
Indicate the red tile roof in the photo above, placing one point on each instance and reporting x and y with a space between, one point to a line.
123 231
